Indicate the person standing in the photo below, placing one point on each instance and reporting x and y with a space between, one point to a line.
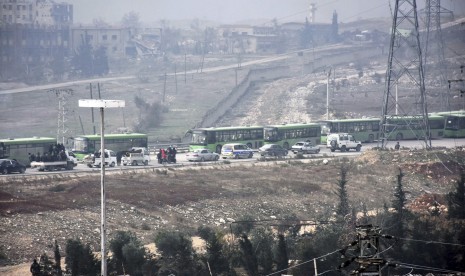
35 268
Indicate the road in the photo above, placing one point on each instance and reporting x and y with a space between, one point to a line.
204 70
182 162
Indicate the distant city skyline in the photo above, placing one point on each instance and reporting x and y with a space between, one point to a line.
238 11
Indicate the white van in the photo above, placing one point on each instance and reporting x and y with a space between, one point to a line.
110 159
236 151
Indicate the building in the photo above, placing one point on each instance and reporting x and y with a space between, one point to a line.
32 33
43 13
247 39
117 41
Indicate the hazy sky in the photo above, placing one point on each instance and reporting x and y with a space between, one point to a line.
233 11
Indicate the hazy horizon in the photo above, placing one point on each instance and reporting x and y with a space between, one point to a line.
238 11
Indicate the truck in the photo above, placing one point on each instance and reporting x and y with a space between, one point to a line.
96 159
65 160
136 156
343 142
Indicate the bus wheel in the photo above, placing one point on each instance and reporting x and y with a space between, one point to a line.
218 149
286 145
371 138
399 136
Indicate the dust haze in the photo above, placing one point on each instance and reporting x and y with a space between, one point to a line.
239 11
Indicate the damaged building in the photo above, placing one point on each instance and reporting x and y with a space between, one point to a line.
32 33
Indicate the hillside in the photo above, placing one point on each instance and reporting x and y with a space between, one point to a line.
36 210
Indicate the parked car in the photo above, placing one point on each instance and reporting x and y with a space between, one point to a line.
10 165
305 147
202 155
272 150
236 151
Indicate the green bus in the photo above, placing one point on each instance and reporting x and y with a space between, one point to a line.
88 144
214 138
410 127
287 135
454 126
20 148
364 130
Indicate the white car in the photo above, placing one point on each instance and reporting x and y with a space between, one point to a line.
202 155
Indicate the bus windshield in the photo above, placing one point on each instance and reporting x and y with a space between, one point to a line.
81 145
271 134
199 137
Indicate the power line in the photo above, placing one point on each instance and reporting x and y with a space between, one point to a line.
430 242
422 267
311 260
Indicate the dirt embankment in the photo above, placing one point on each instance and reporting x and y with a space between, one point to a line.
34 213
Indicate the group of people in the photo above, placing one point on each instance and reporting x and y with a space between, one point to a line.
56 152
167 155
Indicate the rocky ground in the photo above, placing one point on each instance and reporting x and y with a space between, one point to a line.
36 211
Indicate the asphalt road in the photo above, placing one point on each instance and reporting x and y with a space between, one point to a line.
325 152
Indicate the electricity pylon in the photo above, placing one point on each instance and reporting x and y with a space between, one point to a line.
62 96
404 112
434 50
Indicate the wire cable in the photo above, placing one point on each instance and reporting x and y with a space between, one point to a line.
422 267
431 242
311 260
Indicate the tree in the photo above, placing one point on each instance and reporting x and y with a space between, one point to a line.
82 60
57 255
343 207
248 257
262 241
215 256
128 253
456 200
46 265
306 36
177 252
131 20
101 61
79 259
282 259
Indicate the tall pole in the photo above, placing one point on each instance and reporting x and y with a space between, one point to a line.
102 104
102 192
327 94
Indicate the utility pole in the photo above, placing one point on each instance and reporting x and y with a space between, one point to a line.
405 69
62 96
368 260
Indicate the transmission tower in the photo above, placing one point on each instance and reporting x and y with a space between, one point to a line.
404 110
62 96
434 50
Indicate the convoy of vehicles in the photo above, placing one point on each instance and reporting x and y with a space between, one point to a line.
272 150
305 147
201 155
236 151
67 161
8 166
441 124
136 156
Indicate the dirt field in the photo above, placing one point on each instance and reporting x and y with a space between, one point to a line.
36 211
